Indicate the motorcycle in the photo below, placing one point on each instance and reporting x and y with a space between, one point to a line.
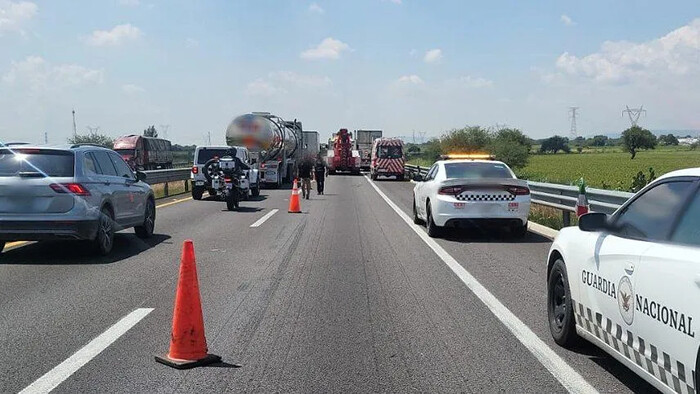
228 182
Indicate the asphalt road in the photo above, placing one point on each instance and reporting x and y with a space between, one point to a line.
344 297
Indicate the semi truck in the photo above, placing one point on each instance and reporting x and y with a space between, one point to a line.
274 144
363 144
342 157
144 153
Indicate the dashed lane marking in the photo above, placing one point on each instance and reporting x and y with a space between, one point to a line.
264 218
563 372
64 370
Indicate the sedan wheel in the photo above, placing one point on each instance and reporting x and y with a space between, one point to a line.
559 307
433 229
416 219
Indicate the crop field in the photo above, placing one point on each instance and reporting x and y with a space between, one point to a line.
613 170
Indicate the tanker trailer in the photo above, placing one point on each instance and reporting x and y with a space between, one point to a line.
274 144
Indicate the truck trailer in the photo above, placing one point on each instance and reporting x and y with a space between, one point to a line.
363 144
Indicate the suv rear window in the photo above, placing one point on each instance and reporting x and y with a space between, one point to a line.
36 162
389 152
204 155
477 170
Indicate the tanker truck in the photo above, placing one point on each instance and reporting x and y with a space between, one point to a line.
274 144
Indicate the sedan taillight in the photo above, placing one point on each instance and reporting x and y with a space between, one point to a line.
519 190
450 190
73 188
195 170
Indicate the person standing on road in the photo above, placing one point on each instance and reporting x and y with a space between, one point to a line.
305 169
319 174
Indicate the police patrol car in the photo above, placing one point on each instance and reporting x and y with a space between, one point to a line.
630 283
468 190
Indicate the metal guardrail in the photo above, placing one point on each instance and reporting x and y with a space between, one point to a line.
562 197
154 177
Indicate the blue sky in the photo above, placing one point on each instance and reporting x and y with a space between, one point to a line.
401 65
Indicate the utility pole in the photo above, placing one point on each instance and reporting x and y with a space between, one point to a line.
165 128
46 138
208 137
573 114
634 114
75 129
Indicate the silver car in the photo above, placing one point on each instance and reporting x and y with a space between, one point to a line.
80 192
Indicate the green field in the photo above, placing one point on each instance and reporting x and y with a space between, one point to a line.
606 170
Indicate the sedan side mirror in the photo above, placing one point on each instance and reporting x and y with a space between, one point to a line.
594 221
141 176
418 178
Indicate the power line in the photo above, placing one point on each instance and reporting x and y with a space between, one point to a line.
634 114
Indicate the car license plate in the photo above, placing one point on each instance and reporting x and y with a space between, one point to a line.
513 206
199 183
460 205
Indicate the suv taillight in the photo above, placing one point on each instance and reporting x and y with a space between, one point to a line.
195 170
73 188
519 190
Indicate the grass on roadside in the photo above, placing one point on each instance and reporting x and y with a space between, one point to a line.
173 189
549 217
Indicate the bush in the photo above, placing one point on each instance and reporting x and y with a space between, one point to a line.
92 138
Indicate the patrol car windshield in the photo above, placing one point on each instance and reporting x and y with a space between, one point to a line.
35 162
476 170
207 154
390 152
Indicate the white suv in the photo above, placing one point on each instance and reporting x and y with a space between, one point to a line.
202 154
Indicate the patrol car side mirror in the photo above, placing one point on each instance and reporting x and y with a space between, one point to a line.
418 178
594 221
141 176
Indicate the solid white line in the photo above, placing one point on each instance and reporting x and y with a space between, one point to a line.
73 363
567 376
264 218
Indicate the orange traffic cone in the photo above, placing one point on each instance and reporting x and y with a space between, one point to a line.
294 204
188 346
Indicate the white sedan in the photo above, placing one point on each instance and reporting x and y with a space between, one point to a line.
630 283
471 192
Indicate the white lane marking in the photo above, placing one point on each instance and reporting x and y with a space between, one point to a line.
567 376
73 363
264 218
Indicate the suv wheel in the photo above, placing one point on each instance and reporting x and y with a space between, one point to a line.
197 193
149 221
104 240
560 311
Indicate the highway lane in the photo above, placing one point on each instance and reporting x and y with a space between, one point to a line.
339 298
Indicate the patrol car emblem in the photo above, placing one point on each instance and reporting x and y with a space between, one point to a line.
625 299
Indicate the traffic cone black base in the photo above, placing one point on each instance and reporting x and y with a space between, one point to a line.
187 364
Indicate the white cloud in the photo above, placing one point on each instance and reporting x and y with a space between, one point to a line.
410 79
117 36
433 56
37 74
313 7
329 48
191 43
282 82
474 82
674 55
13 15
393 1
132 89
130 3
565 19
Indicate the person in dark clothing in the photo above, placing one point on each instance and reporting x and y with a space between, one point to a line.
305 169
320 175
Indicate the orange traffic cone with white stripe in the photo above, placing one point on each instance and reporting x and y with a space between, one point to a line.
294 204
582 201
188 346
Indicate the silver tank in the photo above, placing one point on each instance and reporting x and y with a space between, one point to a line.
265 136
